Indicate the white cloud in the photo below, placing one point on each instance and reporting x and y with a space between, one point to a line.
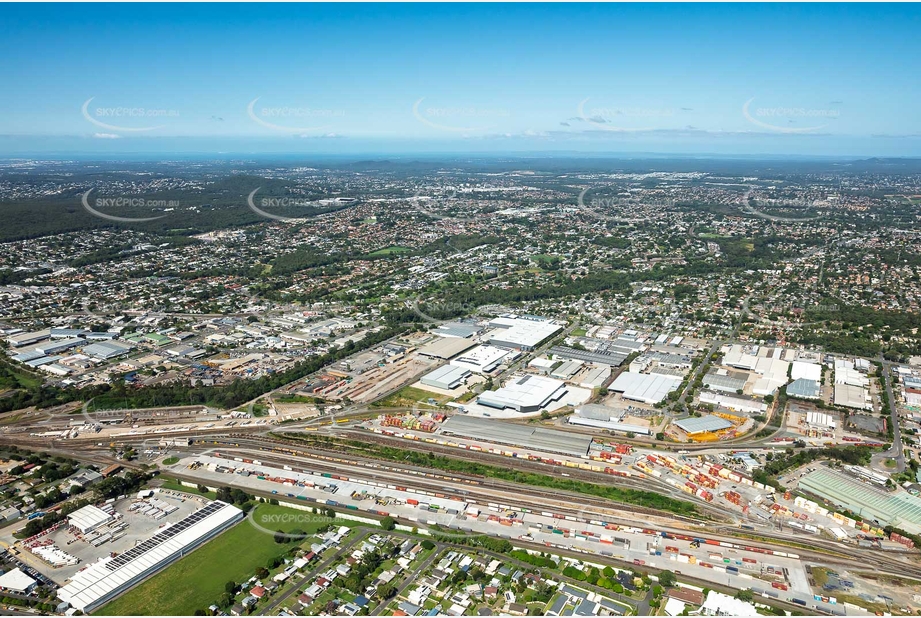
106 136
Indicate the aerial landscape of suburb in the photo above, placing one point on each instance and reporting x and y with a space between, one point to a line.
460 310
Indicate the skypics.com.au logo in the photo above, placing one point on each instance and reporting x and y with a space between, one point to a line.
611 118
458 119
773 118
294 120
442 200
119 118
277 202
123 202
595 206
288 527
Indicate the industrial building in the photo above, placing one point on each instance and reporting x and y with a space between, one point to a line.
646 388
17 581
603 417
707 423
601 357
667 359
821 420
53 347
846 373
808 371
105 350
537 438
88 518
110 576
741 357
722 380
852 396
528 393
447 377
23 339
803 388
67 333
868 501
566 370
446 347
596 376
774 374
482 359
458 329
522 332
736 403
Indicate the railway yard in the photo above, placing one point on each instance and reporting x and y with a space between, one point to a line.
720 544
592 498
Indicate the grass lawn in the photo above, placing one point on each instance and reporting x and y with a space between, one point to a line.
197 580
175 486
579 332
170 461
407 396
388 251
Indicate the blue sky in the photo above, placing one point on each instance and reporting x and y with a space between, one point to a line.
837 80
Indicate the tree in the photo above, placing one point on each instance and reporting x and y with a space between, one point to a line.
230 587
745 595
386 591
388 523
667 579
262 572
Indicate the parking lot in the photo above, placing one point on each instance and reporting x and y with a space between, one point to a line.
140 528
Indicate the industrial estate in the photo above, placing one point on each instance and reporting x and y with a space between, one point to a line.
290 352
482 419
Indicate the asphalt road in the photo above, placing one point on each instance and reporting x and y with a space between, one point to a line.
896 452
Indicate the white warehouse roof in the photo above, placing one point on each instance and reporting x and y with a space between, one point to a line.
446 377
648 388
88 518
481 359
807 371
522 332
525 394
17 581
108 577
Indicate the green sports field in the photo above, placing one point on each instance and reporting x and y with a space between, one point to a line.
197 580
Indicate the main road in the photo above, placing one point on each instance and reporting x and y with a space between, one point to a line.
896 452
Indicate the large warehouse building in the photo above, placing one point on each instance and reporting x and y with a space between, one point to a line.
446 347
537 438
88 518
109 577
522 332
648 388
899 509
702 424
599 357
481 359
528 393
733 402
852 396
446 377
603 417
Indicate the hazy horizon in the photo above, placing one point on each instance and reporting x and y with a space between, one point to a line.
676 79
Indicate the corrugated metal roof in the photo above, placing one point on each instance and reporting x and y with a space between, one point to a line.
538 438
704 423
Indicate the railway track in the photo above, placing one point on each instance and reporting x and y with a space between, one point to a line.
537 499
519 463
